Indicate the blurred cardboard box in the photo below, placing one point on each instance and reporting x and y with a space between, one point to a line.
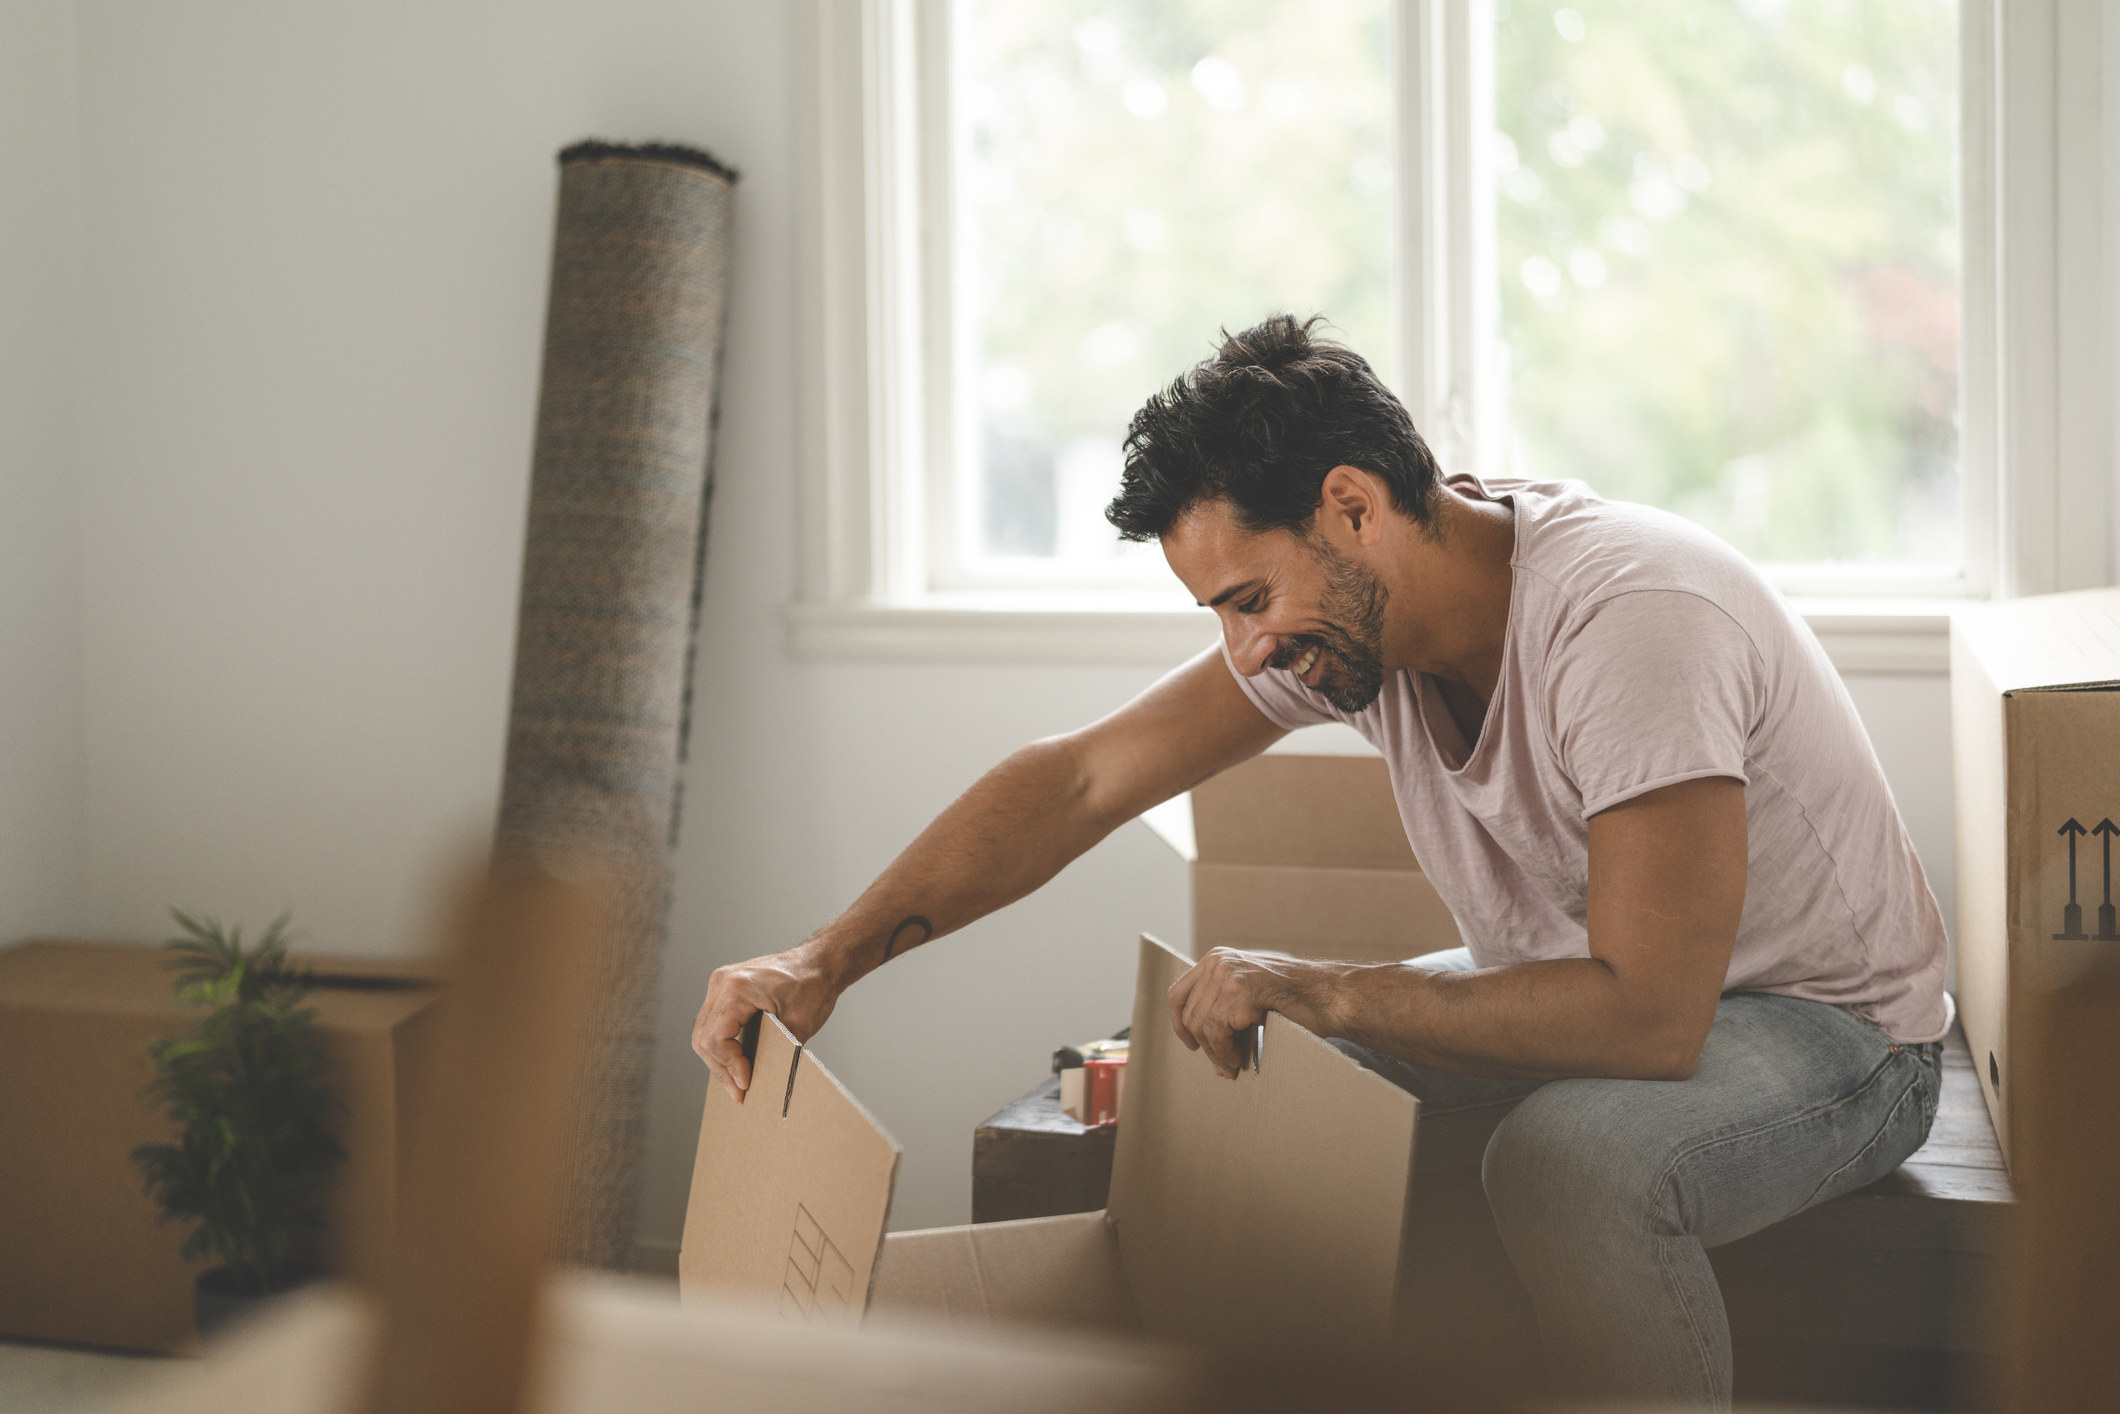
1306 855
2035 724
612 1344
84 1256
1265 1212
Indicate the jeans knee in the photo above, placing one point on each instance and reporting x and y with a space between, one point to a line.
1554 1165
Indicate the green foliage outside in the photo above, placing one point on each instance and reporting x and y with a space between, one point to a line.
1728 248
1142 173
247 1085
1726 238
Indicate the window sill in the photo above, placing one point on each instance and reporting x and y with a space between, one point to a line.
1859 635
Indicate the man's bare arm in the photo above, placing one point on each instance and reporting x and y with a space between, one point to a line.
1019 825
1667 886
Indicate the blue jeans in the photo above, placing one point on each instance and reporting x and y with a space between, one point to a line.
1607 1193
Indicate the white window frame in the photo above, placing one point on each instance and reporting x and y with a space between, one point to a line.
875 315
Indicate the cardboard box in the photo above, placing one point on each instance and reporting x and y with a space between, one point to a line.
84 1257
2035 725
1265 1209
610 1344
1304 855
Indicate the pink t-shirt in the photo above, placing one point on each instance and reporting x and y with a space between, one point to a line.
1643 651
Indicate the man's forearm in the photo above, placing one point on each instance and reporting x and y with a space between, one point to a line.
1534 1020
1014 829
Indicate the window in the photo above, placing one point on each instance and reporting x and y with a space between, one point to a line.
1736 257
1128 179
1730 260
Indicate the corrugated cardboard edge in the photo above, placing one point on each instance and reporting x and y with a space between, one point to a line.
1250 1212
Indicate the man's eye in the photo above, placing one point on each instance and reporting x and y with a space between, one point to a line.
1252 605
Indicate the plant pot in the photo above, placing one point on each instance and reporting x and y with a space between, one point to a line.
221 1301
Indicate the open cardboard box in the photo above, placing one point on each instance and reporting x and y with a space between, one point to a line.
1304 854
1267 1209
2035 727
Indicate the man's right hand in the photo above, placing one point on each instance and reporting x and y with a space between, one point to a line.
793 985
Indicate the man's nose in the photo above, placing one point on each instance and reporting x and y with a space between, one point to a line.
1250 649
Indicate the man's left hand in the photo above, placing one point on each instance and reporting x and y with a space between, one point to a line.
1229 991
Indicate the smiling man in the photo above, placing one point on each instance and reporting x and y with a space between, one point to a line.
1699 947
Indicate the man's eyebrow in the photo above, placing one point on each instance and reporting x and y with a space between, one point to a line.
1229 593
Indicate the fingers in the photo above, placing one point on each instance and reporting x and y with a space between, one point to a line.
1180 990
1221 1048
726 1059
1210 1004
1209 1021
717 1037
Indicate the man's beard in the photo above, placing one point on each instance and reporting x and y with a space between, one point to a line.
1350 633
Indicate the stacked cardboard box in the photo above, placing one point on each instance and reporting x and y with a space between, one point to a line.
1304 854
2035 719
85 1258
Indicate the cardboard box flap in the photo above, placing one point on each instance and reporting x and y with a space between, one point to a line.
1057 1271
1316 811
790 1189
1268 1208
2048 642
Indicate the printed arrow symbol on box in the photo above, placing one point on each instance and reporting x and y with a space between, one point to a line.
2106 829
2072 829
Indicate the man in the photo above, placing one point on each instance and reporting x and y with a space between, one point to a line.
1698 941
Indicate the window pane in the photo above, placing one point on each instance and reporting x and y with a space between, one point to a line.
1134 177
1729 260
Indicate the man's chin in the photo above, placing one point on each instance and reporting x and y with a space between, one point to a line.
1350 697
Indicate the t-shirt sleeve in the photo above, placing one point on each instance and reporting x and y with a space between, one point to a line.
1286 702
1652 688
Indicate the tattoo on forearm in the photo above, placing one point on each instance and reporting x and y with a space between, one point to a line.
927 930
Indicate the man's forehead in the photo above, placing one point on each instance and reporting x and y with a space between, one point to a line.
1213 526
1218 556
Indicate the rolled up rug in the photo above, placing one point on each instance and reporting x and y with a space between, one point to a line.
612 567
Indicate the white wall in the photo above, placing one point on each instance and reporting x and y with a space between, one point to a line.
40 678
317 245
313 284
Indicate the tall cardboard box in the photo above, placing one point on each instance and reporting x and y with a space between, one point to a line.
2035 726
83 1257
1265 1209
1306 855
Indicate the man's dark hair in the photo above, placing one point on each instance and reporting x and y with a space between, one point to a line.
1258 426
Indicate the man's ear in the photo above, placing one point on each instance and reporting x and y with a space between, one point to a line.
1351 503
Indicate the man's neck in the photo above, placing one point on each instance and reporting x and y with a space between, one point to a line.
1451 596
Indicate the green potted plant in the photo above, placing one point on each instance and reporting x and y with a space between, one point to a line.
247 1085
